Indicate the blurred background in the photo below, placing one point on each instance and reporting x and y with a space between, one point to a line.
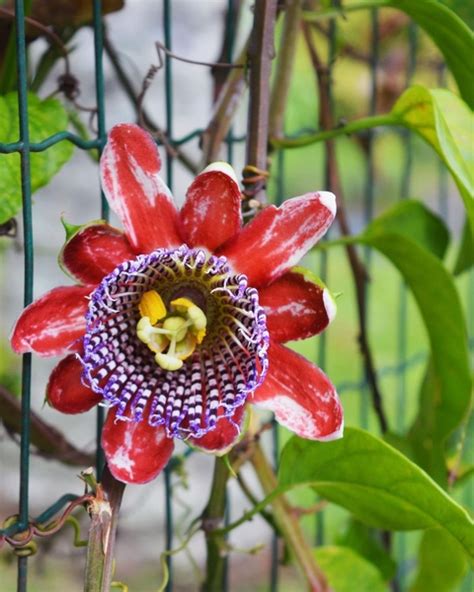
403 166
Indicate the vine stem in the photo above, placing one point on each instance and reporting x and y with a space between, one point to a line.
288 523
104 511
212 517
358 270
359 125
260 54
284 66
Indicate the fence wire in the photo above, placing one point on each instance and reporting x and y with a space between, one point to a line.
24 147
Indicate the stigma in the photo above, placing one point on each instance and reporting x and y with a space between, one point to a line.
171 334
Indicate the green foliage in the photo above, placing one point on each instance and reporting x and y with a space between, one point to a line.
413 221
45 118
376 483
346 570
361 539
465 258
442 564
463 9
413 239
446 123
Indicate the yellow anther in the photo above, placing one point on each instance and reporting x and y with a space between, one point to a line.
168 362
200 335
172 339
182 304
152 306
177 327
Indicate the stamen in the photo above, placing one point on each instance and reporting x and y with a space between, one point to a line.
152 306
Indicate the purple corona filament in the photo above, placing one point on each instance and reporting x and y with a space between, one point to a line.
229 364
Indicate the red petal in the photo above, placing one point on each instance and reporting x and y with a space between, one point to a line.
129 168
297 306
51 325
225 434
301 396
211 213
65 391
136 452
94 251
279 237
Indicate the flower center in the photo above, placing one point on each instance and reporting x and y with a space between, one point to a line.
177 333
176 338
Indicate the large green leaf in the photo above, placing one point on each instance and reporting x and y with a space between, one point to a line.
413 239
412 220
446 123
463 9
402 235
441 563
452 36
45 118
346 571
376 483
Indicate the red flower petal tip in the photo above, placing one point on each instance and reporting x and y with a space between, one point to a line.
328 199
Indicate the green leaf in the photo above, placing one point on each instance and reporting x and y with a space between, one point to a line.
445 122
463 9
429 451
376 483
411 219
441 563
445 404
346 571
45 118
361 540
465 257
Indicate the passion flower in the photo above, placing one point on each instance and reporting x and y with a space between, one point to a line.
176 324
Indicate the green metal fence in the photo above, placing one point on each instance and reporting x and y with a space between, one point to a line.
24 147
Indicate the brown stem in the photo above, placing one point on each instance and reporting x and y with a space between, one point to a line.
284 66
231 17
260 54
224 111
288 524
358 270
49 441
104 511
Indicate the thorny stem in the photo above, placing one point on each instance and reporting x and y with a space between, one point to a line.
104 512
212 518
358 270
288 524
